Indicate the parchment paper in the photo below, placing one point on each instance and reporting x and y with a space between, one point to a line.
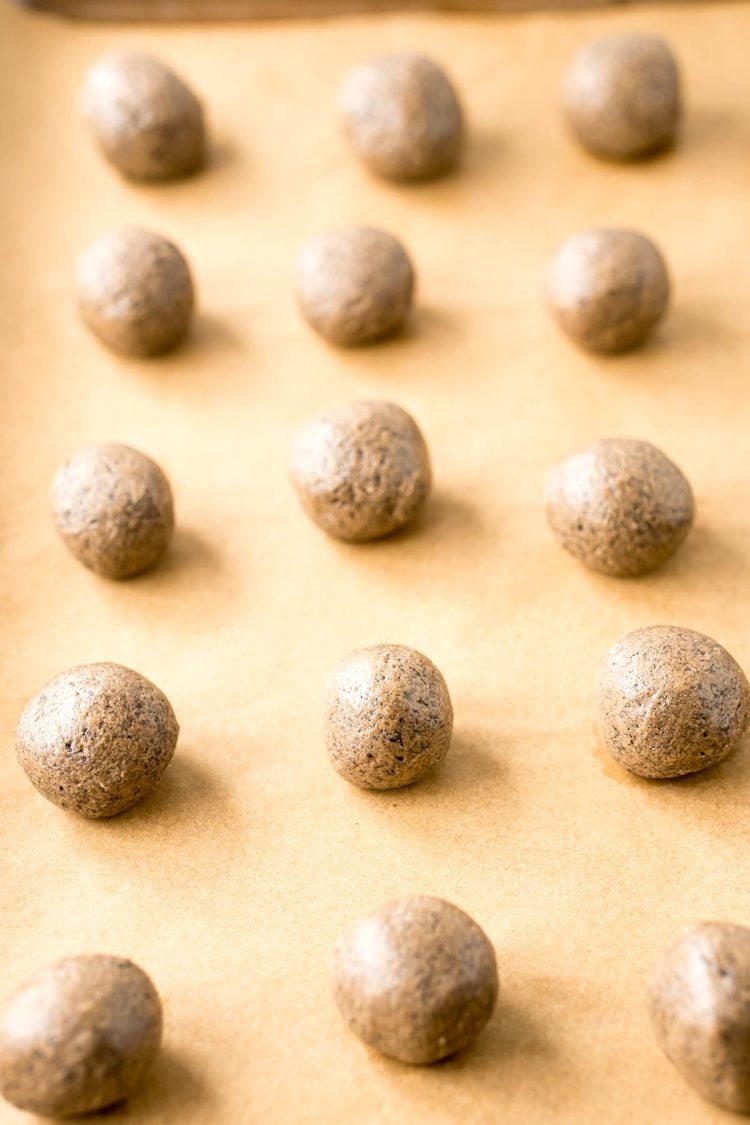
231 883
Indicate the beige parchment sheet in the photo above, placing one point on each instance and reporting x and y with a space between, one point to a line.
231 883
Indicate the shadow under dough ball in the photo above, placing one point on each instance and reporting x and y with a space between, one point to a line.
354 285
113 509
135 291
401 115
144 118
389 717
698 1005
607 289
621 96
361 471
96 739
79 1036
619 505
416 980
670 702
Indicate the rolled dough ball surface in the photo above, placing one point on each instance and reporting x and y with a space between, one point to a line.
96 739
135 291
113 509
670 702
389 717
361 471
416 980
402 117
607 289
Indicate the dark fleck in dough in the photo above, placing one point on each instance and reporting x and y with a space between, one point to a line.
144 118
113 509
96 739
354 285
361 471
401 115
607 289
670 702
698 1002
79 1036
622 96
619 505
389 717
416 980
135 291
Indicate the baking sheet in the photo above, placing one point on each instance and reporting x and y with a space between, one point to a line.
231 883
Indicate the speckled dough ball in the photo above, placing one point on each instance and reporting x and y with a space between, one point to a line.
389 717
402 117
113 509
354 285
144 118
607 289
79 1036
361 471
96 739
619 505
416 980
670 702
622 96
698 1002
135 291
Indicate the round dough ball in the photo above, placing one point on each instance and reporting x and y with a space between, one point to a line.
135 291
361 471
619 505
96 739
389 717
144 118
670 702
401 115
698 1006
79 1036
607 289
113 509
622 96
354 285
416 980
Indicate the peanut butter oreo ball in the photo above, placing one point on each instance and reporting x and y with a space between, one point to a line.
361 471
144 118
416 980
389 717
80 1036
96 739
135 291
622 96
670 702
607 289
402 117
619 505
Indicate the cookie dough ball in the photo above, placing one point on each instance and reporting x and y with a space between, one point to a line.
354 285
389 717
416 980
622 96
670 702
112 507
401 115
96 739
135 291
619 505
144 118
361 471
698 1006
607 289
79 1036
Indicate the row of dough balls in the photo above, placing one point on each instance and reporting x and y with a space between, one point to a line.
416 980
